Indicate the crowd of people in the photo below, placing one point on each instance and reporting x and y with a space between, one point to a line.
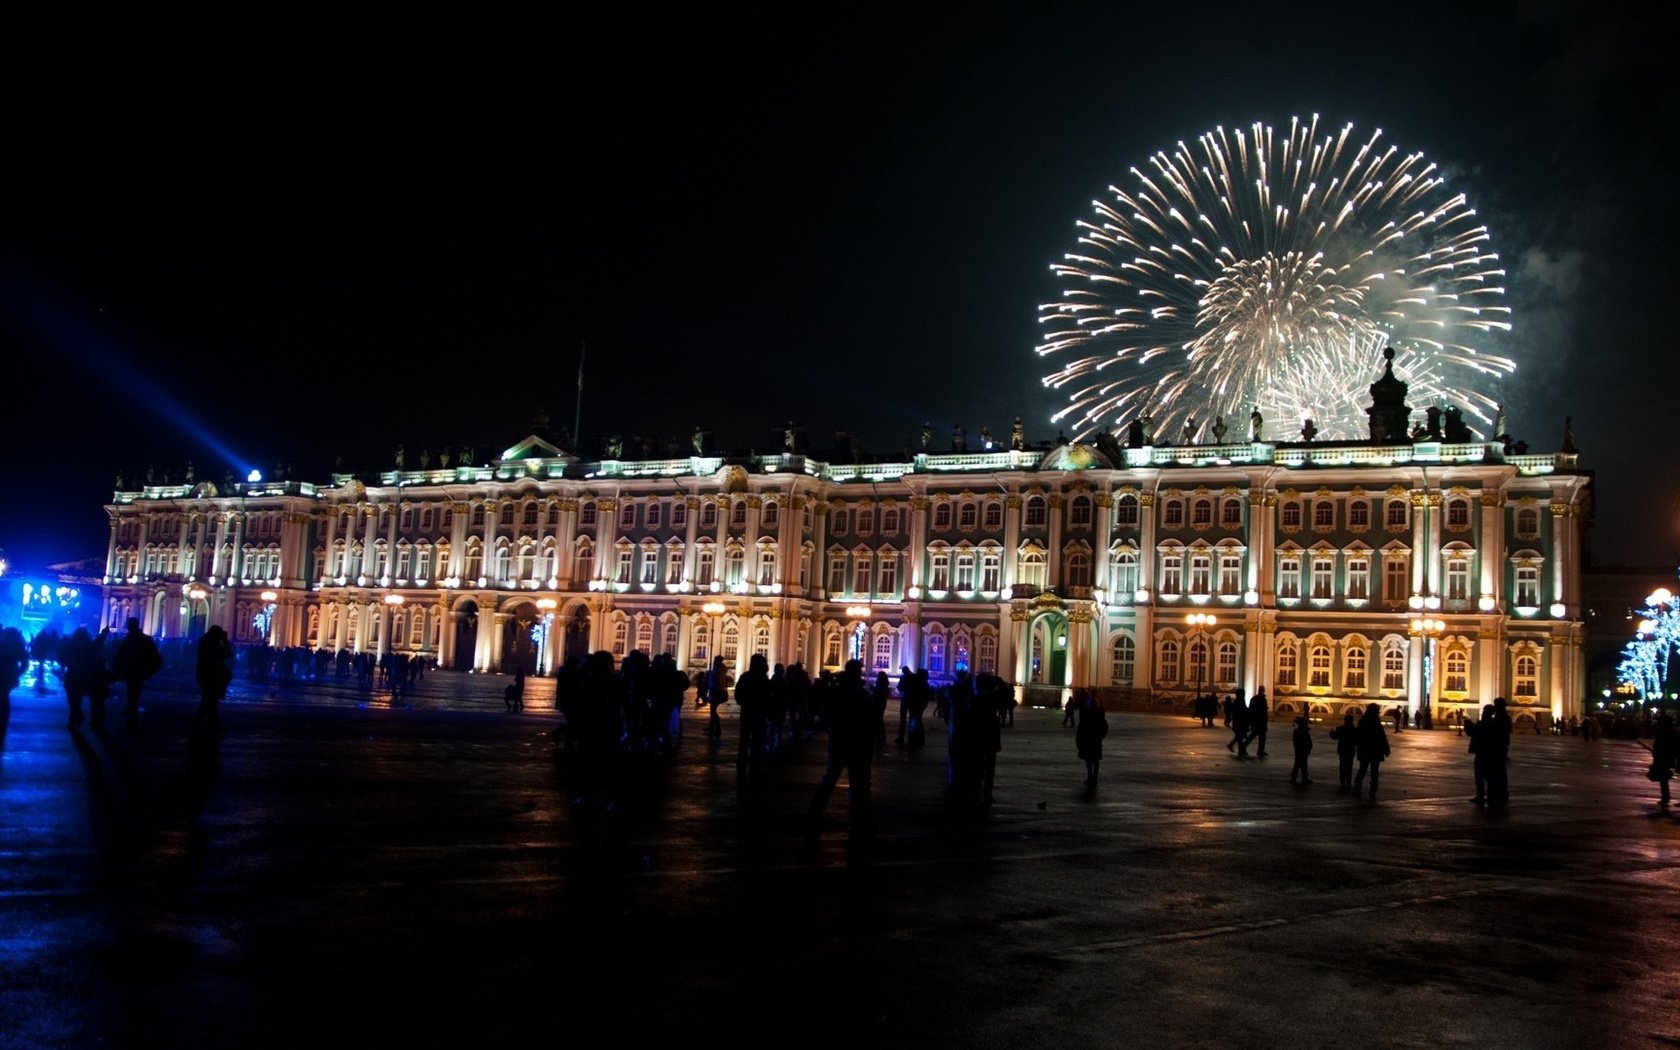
617 716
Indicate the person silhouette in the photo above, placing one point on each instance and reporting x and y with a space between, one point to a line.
214 672
1303 747
852 722
1370 747
1088 738
1345 737
137 659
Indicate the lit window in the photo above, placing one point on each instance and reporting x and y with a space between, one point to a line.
1172 574
1286 664
1289 578
1318 666
1125 660
1353 674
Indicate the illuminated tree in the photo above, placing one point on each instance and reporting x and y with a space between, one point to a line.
1647 658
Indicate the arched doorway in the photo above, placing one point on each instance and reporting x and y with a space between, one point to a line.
519 643
1047 641
577 635
466 635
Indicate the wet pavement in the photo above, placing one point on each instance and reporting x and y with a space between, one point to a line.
342 872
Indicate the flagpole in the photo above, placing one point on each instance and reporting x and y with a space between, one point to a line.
577 417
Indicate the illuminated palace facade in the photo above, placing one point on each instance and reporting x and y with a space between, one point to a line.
1411 573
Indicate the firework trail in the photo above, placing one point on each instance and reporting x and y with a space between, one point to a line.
1267 269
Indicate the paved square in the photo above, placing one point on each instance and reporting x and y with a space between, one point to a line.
348 874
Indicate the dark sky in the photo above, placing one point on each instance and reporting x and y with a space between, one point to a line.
324 244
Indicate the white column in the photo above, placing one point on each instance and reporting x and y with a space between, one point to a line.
1011 540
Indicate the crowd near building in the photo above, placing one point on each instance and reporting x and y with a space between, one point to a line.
1429 572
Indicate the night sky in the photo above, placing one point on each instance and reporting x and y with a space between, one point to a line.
308 252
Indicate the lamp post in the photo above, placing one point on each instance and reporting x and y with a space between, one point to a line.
1202 623
1428 630
393 602
196 594
713 610
545 635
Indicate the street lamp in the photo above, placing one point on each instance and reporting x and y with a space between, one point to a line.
395 602
545 631
713 610
1427 629
1203 623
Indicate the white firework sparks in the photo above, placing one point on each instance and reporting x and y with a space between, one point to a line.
1270 270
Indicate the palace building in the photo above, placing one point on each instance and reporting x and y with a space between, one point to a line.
1436 570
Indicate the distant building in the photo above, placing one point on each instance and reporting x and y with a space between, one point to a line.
1064 566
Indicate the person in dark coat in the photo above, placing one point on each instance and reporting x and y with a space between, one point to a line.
137 659
851 720
1303 748
1494 745
214 672
717 693
1093 727
1257 717
1370 747
1344 735
1239 726
752 694
1478 762
1665 753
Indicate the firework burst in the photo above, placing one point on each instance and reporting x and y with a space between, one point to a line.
1268 269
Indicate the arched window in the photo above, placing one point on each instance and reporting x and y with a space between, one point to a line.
1170 668
1458 514
1289 515
1079 512
967 515
1201 513
1124 576
1287 663
644 636
761 638
1225 664
1126 511
942 516
1528 523
1035 515
1457 677
1078 569
1393 668
936 653
1318 667
1172 513
1230 513
1031 567
1124 664
1525 675
985 653
884 651
994 515
1353 668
